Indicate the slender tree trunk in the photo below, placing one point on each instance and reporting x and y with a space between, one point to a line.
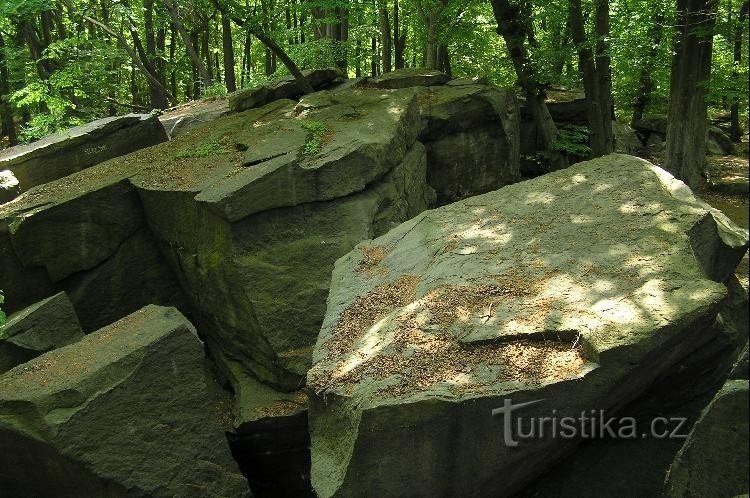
6 113
137 60
510 27
685 154
430 60
444 59
645 81
735 130
228 49
189 44
595 70
373 57
358 59
206 50
156 92
385 36
399 43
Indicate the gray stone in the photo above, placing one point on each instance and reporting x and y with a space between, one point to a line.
404 78
64 153
718 143
186 117
42 327
126 411
285 88
575 290
714 458
626 139
474 80
9 188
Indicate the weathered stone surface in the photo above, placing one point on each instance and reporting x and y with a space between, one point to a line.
42 327
9 188
578 288
718 143
285 88
714 459
85 234
404 78
626 139
126 411
472 140
652 124
186 117
61 154
252 210
474 80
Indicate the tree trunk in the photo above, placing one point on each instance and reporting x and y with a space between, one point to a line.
398 41
685 154
228 49
156 92
513 32
735 130
6 113
373 57
596 76
189 45
137 61
645 81
385 36
430 60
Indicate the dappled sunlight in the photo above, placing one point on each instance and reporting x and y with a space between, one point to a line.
540 198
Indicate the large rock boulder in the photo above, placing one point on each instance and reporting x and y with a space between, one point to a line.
714 459
9 188
252 210
187 116
570 292
126 411
41 327
405 78
286 88
85 234
471 133
61 154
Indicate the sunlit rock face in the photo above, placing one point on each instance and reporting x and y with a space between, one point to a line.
573 291
68 151
249 213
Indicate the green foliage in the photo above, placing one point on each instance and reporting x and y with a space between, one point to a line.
318 131
572 140
2 313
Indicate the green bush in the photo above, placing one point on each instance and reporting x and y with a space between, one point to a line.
315 142
2 313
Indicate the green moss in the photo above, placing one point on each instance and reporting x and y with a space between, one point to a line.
318 130
2 313
205 149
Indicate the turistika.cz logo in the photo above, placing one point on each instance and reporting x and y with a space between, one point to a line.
590 424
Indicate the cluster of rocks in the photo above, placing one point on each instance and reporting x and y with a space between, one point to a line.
584 288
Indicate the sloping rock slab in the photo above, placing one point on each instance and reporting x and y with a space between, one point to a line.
42 327
714 459
404 78
180 119
285 88
573 292
126 411
61 154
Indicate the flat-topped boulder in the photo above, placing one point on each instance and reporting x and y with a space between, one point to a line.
63 153
125 411
571 292
41 327
285 88
404 78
